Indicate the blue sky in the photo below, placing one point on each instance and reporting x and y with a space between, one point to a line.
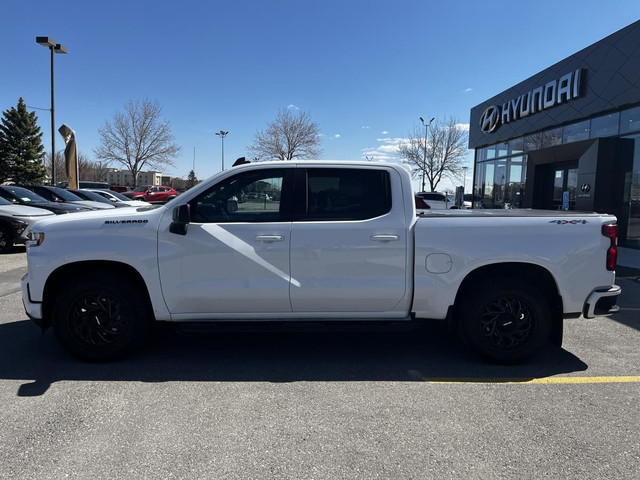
364 70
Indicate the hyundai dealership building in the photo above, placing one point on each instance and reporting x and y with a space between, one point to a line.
567 138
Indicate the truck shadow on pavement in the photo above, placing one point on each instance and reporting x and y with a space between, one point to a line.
429 354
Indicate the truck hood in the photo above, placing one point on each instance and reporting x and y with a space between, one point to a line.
25 211
95 218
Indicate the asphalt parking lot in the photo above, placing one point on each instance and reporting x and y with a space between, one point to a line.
321 405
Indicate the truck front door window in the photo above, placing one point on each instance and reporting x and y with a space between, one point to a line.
250 197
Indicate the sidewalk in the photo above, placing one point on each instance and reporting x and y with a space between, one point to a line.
629 257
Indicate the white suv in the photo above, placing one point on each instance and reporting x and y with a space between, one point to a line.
437 200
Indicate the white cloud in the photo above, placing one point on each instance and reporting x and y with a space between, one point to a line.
384 132
337 135
467 90
392 141
366 127
462 126
387 151
292 107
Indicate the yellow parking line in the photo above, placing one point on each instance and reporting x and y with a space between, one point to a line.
546 380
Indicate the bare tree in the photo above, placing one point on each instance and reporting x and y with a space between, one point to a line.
446 148
138 138
291 135
95 171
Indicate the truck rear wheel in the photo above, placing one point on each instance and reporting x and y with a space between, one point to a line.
505 319
100 317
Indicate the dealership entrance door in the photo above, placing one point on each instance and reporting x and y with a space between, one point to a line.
565 185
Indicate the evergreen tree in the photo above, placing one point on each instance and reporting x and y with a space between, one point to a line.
21 149
192 179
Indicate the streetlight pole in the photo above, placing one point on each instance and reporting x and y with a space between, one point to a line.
424 163
464 177
222 134
54 47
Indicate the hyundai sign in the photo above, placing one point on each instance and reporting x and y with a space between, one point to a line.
543 97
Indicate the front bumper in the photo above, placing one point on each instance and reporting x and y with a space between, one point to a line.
602 302
33 309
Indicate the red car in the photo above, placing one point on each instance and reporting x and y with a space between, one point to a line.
152 193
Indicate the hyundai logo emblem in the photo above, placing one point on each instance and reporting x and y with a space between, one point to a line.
490 119
585 187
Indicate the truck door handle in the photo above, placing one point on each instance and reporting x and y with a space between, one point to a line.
269 238
384 238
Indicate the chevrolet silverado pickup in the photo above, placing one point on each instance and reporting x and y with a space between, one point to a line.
317 241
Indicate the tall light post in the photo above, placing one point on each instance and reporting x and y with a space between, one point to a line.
424 164
222 134
464 177
53 47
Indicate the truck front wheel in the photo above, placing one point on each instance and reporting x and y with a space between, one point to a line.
505 319
99 317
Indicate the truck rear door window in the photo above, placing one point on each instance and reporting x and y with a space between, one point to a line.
335 194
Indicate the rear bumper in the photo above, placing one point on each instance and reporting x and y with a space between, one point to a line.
602 302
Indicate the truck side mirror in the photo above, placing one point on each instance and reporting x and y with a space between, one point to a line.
181 219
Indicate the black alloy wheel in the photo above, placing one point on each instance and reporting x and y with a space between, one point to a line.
505 319
100 317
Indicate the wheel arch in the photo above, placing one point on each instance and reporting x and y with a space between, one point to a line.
61 276
534 274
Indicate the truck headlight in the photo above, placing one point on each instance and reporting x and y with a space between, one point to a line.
35 239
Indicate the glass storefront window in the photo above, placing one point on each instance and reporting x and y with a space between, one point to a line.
491 152
552 137
533 142
514 189
502 149
481 154
499 184
576 132
630 120
604 126
487 195
516 146
633 227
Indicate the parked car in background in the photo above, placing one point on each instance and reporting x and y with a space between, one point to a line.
62 195
475 201
118 199
11 231
437 200
16 220
94 197
152 193
23 196
420 203
84 184
116 188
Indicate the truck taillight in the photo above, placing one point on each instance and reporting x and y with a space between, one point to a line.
611 232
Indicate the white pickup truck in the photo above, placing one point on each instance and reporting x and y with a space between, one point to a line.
317 241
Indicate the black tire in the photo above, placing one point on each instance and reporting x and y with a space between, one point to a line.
6 242
100 317
506 320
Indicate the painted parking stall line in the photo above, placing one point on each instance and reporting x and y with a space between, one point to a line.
539 381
